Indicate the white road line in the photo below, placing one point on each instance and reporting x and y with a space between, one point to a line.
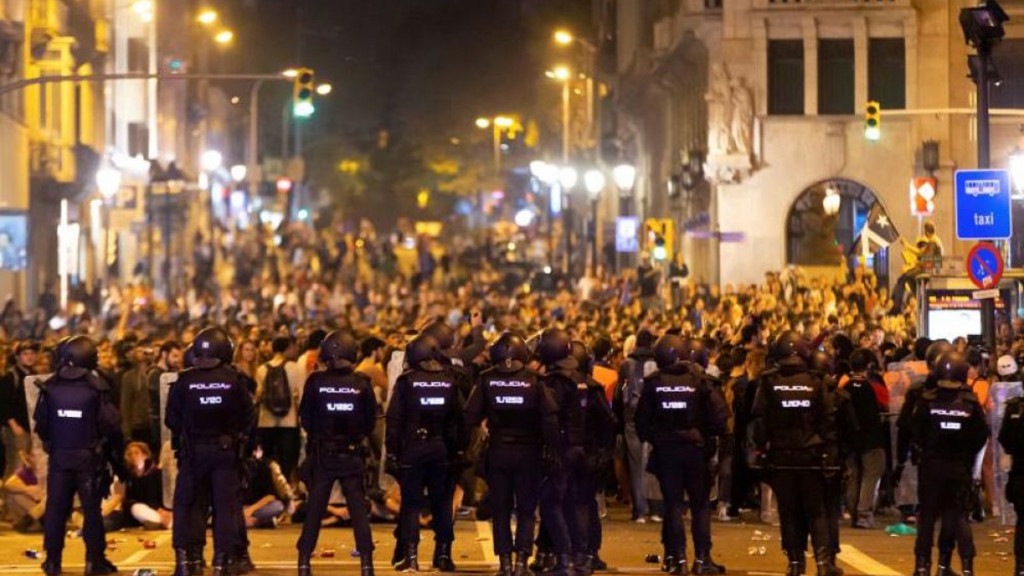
864 563
141 554
486 538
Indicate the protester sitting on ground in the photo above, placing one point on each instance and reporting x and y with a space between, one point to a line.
268 495
143 490
24 497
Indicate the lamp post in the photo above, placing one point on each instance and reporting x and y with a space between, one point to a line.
594 181
108 182
210 162
567 179
624 176
547 175
563 74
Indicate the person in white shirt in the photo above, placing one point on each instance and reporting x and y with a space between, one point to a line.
279 435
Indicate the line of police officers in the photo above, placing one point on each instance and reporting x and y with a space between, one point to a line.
549 432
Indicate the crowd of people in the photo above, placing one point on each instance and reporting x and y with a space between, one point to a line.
279 314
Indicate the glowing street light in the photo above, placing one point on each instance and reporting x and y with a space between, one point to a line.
832 201
207 17
290 73
561 73
483 123
224 37
568 177
211 160
594 182
324 89
564 37
625 177
546 173
108 181
504 122
238 172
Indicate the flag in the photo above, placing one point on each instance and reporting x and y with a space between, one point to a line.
878 232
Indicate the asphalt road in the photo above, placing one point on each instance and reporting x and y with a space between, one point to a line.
744 547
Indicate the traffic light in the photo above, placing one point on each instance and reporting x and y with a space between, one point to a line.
873 120
303 92
659 238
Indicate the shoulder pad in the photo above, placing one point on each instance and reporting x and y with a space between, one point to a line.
652 376
969 396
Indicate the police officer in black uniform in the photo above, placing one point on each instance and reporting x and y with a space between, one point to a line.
338 412
1011 438
425 433
678 414
209 412
948 428
521 419
793 424
74 417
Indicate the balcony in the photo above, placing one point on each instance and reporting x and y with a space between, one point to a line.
829 4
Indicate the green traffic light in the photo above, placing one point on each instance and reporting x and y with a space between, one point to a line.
303 109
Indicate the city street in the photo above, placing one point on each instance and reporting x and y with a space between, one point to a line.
626 546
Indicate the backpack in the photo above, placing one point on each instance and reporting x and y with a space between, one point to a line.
277 395
635 370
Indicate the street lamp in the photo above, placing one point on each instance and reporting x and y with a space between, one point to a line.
238 172
324 89
211 160
594 181
498 124
207 17
568 177
108 181
564 37
832 201
224 37
625 178
483 123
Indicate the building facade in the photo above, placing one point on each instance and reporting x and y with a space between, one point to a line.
771 95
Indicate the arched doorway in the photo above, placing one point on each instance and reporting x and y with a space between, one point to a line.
818 238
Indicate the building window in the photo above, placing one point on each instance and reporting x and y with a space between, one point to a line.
786 77
835 77
887 72
1009 61
138 55
138 140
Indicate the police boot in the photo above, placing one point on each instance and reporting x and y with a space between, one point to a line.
923 566
196 561
220 566
824 562
562 565
242 563
542 562
366 564
520 567
669 561
583 565
1018 569
51 566
410 562
797 564
678 565
399 555
504 565
181 562
704 565
99 566
945 567
305 569
443 557
836 570
967 565
598 564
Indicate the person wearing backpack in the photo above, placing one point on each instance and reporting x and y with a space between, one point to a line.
279 384
637 366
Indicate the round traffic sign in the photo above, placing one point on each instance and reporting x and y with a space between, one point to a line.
985 265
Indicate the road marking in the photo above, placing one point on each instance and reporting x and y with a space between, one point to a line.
486 538
864 563
141 554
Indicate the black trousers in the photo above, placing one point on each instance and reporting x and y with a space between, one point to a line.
70 472
513 482
563 506
944 495
426 468
801 495
282 445
683 475
209 469
348 470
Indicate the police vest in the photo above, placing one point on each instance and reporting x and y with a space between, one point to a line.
512 406
73 415
430 400
339 406
678 406
571 396
948 414
211 406
795 410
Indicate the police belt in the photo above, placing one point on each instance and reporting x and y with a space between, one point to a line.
810 468
506 439
424 434
336 446
224 441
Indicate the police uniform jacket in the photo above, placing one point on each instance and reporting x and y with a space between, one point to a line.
517 408
338 406
679 407
948 424
571 398
76 414
424 416
208 406
792 415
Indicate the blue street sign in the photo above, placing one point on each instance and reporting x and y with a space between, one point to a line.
625 234
983 205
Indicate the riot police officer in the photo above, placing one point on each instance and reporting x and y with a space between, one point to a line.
1011 438
425 433
209 412
678 414
521 419
74 416
338 412
948 428
793 425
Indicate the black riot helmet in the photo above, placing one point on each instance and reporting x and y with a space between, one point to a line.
670 350
861 360
212 347
510 352
697 352
554 348
788 348
935 350
441 332
421 352
582 355
339 350
76 357
951 366
189 357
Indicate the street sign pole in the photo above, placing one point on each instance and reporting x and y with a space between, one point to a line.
988 305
